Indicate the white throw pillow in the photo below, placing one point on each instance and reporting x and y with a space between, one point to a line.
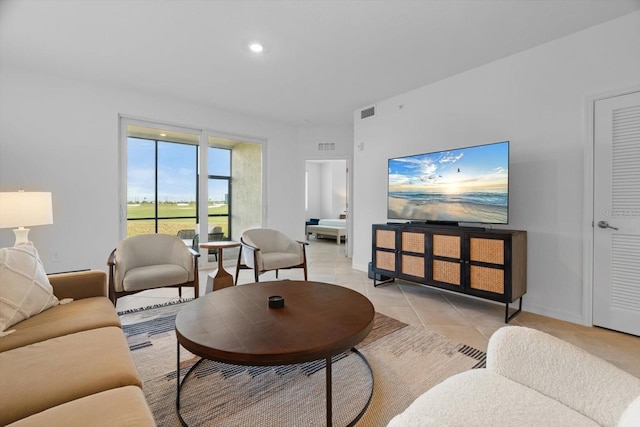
24 287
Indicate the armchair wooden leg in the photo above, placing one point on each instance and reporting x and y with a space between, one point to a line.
304 260
238 264
112 296
196 279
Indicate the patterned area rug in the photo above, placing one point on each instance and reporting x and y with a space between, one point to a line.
405 361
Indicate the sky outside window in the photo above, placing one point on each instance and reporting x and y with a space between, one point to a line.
177 172
219 165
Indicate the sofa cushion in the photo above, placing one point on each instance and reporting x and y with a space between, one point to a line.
556 368
77 316
40 376
122 406
482 398
25 289
79 284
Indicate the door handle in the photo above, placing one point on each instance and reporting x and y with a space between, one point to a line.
605 224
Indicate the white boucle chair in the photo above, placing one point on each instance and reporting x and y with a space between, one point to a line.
149 261
264 249
531 379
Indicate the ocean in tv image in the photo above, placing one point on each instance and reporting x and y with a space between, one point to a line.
462 185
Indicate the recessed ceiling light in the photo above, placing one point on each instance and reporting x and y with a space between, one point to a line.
163 134
256 47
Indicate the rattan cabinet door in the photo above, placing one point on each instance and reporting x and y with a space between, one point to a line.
487 273
384 249
445 260
412 254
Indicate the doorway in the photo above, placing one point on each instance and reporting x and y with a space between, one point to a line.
326 191
616 213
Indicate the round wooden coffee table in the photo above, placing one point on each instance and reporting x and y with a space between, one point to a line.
235 325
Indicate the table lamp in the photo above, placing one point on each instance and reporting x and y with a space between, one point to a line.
23 209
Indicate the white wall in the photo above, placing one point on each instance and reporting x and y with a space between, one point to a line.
310 136
327 188
334 184
314 190
337 176
537 99
61 136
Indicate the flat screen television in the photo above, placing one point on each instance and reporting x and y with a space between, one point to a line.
468 185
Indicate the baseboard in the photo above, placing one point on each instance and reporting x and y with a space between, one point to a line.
361 267
556 314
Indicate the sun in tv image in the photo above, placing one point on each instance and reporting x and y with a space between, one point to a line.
461 185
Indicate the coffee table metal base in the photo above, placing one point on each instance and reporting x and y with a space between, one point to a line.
328 368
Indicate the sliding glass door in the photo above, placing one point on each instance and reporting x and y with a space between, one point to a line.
181 181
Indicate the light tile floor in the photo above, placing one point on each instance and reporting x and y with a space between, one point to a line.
459 318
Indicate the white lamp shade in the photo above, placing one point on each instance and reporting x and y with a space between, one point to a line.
24 209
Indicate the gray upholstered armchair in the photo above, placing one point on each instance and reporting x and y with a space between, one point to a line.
150 261
264 249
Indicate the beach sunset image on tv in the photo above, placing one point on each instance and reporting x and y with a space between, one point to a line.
462 185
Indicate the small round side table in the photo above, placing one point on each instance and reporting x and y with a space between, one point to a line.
220 278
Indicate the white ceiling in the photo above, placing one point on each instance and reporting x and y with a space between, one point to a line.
323 59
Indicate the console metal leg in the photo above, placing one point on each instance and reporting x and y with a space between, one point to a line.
506 312
376 283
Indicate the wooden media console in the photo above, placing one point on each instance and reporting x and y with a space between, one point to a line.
490 264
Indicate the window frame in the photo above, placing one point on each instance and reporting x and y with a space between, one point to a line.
203 136
157 218
229 189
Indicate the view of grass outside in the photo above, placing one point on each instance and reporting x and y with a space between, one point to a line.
171 210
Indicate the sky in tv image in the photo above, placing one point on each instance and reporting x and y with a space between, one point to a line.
464 185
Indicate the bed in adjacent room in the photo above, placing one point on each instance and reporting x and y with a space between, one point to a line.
334 228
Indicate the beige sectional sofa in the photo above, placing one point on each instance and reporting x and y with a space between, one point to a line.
70 365
531 379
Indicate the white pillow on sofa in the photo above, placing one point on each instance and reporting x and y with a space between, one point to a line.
24 287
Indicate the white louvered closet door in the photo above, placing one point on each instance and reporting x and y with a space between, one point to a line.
616 269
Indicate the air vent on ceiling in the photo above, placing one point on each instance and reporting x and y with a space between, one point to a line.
326 146
368 112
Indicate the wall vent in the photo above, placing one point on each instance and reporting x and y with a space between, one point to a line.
326 146
368 112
